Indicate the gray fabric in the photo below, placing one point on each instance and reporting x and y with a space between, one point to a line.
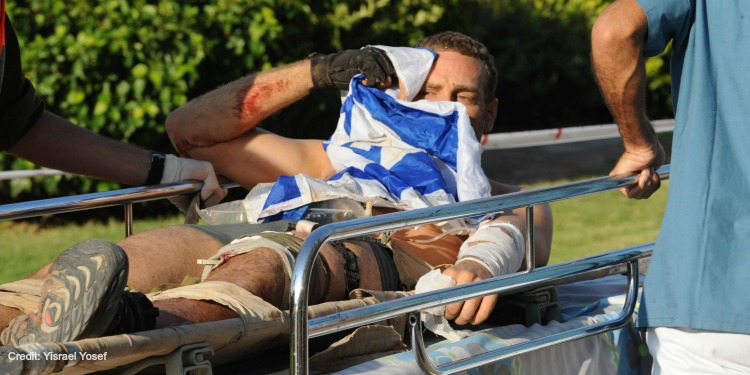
225 233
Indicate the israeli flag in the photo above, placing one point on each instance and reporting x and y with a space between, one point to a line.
387 151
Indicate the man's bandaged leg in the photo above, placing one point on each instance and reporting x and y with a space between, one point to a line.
284 245
250 308
287 246
262 325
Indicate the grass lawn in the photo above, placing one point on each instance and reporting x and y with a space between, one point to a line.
583 226
604 222
25 247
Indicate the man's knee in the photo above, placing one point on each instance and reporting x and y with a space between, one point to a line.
260 272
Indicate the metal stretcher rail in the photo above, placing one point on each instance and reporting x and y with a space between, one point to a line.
124 197
595 266
630 256
347 229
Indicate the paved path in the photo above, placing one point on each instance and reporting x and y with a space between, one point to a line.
548 163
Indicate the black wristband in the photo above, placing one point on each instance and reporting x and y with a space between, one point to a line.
156 172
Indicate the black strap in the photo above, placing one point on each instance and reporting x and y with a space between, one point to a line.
351 267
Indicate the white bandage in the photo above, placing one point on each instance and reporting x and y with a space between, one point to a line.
434 280
494 249
254 311
433 318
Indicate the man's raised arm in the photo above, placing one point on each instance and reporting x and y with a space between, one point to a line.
221 126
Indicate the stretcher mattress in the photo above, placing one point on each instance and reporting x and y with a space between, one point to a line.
582 304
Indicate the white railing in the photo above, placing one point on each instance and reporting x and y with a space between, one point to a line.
495 141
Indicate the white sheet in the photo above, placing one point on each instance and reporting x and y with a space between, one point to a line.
583 304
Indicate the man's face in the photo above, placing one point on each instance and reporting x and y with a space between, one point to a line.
458 78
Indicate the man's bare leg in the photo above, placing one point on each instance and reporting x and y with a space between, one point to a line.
167 255
164 255
261 273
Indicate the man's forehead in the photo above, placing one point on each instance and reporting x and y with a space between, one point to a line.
457 67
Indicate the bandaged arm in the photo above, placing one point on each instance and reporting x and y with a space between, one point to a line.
498 246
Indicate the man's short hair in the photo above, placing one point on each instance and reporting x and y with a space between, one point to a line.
467 46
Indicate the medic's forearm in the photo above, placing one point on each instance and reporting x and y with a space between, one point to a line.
617 40
55 142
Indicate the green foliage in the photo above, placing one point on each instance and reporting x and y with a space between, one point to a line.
120 67
542 52
659 94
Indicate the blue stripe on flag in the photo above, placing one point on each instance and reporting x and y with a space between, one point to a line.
419 171
346 107
436 134
283 190
374 153
294 214
375 172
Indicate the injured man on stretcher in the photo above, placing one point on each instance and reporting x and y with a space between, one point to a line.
407 138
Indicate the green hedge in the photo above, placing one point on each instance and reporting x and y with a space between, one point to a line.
120 67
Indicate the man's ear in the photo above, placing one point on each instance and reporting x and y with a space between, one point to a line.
490 116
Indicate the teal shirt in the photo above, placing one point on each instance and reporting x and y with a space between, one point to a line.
700 271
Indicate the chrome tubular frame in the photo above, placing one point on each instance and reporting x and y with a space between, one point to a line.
124 197
591 267
366 226
420 354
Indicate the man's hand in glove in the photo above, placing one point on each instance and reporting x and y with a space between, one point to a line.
337 69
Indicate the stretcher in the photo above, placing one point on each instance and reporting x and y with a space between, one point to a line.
598 331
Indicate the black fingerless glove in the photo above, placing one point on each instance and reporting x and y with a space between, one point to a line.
337 69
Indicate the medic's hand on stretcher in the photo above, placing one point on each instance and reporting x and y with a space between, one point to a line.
180 169
337 69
